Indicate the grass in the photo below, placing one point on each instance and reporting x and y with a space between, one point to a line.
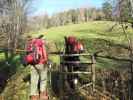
96 29
2 56
95 36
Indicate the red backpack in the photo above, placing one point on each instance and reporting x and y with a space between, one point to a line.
71 40
36 52
78 47
75 45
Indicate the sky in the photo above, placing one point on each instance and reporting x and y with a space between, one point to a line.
54 6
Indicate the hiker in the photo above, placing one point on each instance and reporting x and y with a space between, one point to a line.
37 58
72 46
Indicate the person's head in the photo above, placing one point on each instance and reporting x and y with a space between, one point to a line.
74 44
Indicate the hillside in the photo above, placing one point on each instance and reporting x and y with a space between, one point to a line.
94 29
95 36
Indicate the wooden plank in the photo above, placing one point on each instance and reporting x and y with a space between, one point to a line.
70 55
76 62
86 85
76 72
1 98
93 72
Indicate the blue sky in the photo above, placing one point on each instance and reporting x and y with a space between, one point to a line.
55 6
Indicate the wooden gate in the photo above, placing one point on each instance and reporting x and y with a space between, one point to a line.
90 72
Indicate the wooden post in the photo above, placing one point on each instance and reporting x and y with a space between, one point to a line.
103 85
1 97
131 96
93 72
60 78
131 64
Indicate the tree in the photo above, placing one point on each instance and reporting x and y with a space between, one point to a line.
124 14
14 14
93 13
107 10
46 21
100 14
123 10
74 16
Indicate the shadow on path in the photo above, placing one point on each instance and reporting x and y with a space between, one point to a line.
8 68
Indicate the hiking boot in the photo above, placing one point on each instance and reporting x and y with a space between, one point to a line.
34 97
43 96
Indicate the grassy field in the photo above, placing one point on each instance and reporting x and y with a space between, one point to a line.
95 35
95 29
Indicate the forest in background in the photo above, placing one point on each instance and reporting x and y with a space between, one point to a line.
16 19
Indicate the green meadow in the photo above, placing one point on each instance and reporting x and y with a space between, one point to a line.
94 29
95 35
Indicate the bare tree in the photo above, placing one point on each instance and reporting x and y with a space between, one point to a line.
14 20
124 12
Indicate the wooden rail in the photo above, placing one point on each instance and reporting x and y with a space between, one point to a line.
77 72
76 62
93 72
71 55
86 85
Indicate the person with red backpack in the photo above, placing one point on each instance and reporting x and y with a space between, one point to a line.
37 58
72 46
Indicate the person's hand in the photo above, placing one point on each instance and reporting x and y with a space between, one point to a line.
49 63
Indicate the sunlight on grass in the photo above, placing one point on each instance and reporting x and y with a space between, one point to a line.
92 33
96 29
